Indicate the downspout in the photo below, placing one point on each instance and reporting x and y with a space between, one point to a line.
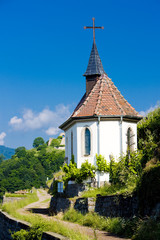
121 142
98 144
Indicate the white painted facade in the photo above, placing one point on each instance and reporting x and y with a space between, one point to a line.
108 138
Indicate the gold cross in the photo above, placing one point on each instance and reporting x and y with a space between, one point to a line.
93 29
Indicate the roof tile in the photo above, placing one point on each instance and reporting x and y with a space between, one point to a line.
104 99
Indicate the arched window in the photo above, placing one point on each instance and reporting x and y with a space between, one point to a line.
130 141
87 141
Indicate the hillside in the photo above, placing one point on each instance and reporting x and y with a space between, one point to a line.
29 168
7 152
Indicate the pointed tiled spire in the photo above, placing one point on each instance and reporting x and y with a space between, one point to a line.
94 65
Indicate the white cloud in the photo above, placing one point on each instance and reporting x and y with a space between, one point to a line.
144 113
15 120
2 136
47 120
52 131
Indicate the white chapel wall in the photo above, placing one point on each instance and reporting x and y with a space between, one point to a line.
68 153
110 137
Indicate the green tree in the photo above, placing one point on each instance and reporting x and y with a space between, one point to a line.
2 157
38 141
56 142
20 151
30 169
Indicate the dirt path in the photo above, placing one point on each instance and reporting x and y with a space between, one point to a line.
41 207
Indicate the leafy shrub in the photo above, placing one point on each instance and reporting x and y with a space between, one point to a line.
148 229
70 171
87 170
78 174
126 170
20 235
35 233
102 164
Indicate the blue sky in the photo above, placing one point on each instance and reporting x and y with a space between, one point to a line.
44 52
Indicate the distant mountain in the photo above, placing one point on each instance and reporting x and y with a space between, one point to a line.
7 152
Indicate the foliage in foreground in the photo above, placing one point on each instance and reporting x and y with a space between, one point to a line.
135 228
118 226
148 229
34 233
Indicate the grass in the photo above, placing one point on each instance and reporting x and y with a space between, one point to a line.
118 226
49 182
135 228
108 189
57 175
38 221
11 207
15 195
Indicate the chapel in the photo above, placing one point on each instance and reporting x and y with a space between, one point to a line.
103 122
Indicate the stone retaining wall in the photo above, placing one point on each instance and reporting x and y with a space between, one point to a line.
85 205
116 206
108 206
59 204
9 224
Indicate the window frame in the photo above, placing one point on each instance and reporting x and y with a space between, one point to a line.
83 141
130 140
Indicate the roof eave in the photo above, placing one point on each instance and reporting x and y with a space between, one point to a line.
69 120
